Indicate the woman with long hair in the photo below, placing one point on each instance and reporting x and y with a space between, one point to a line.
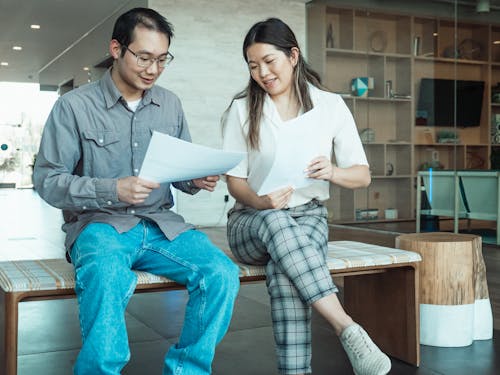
286 229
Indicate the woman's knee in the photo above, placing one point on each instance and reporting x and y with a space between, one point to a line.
276 218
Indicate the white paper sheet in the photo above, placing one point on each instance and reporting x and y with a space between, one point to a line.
169 159
294 152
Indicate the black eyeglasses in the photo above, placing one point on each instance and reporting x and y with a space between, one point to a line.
145 61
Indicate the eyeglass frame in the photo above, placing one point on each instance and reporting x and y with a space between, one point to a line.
168 58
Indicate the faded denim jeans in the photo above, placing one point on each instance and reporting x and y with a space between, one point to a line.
103 261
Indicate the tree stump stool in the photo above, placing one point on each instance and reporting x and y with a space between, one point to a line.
455 307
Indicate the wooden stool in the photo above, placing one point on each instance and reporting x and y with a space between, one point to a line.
454 303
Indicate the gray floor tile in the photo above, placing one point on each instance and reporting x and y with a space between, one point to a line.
49 326
162 312
49 363
146 359
249 314
246 352
256 292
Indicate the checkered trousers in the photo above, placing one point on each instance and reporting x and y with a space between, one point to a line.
292 244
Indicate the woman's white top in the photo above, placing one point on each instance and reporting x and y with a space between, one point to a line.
332 128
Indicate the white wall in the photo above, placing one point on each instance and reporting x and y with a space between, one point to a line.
209 69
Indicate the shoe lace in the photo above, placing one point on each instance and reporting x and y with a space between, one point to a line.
358 343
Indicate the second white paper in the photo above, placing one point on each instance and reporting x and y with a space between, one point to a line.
293 154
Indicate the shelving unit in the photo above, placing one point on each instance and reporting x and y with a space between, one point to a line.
344 43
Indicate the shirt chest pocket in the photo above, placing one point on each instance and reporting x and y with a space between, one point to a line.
100 138
102 153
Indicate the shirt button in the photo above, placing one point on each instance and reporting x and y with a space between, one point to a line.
101 140
84 207
136 170
136 144
109 203
132 212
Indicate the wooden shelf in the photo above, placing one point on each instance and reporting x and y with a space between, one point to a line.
401 49
450 61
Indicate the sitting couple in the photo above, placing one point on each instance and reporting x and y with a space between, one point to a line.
91 151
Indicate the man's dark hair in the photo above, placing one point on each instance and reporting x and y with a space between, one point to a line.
123 30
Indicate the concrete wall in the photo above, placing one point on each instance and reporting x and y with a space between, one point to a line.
209 69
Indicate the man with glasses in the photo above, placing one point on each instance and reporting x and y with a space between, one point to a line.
92 148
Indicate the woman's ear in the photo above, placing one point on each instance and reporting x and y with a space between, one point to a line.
294 56
115 48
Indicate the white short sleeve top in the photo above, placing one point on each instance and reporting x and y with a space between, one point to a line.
332 128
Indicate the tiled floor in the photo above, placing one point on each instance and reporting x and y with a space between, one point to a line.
49 336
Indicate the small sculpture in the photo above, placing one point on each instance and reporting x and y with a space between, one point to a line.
329 37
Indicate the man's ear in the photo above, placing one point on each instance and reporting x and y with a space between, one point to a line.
115 48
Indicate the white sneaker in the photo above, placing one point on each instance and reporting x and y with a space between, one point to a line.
366 358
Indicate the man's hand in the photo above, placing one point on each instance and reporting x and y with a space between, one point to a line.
206 183
134 190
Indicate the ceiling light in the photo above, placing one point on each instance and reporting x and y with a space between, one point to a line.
4 63
17 48
35 27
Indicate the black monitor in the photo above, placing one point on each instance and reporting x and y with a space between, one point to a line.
439 99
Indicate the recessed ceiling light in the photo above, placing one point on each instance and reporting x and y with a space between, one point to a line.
4 63
17 48
35 27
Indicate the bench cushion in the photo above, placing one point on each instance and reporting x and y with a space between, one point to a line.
53 274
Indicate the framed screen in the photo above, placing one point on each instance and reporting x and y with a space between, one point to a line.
447 102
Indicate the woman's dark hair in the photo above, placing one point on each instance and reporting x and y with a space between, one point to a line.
123 30
277 33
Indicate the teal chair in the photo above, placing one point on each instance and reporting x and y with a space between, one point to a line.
443 194
481 196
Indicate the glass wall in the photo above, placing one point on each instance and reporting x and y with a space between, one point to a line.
422 81
24 111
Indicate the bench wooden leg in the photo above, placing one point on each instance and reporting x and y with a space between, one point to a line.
8 333
387 306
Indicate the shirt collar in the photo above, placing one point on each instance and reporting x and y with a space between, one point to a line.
112 95
271 112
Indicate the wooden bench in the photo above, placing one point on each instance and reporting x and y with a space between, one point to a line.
380 292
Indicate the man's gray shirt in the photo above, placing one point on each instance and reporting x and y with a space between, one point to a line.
90 140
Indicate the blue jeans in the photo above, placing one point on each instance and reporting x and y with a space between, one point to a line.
103 261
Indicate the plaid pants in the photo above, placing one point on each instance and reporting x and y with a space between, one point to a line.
292 244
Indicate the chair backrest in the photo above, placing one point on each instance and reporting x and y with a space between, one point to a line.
481 193
440 191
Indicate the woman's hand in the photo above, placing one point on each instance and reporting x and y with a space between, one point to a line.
354 177
277 199
320 168
243 193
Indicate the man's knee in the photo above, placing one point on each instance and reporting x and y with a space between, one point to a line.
224 274
105 275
